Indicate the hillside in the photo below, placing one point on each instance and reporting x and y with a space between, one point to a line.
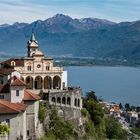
61 35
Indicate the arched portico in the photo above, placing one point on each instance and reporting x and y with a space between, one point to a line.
68 101
75 102
58 100
47 82
56 82
29 82
63 100
38 82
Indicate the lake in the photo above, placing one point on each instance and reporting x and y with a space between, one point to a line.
114 84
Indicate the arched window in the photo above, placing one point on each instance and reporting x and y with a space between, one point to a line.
63 100
47 82
38 82
56 82
53 99
75 102
29 68
47 68
13 63
58 100
29 82
78 102
68 101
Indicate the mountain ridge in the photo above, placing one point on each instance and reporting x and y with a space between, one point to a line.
63 35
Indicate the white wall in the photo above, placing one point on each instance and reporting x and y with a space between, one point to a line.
17 124
36 112
15 73
14 98
64 78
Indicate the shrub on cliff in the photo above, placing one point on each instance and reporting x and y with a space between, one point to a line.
114 129
4 129
60 128
41 113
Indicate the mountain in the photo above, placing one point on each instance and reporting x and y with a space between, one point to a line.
87 37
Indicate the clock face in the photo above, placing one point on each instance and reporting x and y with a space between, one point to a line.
38 66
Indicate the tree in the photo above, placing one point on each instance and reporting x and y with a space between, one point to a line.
91 95
90 130
127 107
61 129
42 112
41 93
95 110
114 129
133 108
138 108
120 105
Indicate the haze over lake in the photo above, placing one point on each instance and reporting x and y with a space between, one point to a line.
116 84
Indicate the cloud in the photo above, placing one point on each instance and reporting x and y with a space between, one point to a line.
30 10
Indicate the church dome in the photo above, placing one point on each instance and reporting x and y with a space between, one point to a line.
38 52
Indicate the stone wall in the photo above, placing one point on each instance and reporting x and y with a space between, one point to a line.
16 122
71 98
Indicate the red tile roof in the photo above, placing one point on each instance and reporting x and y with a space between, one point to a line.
18 62
6 71
17 82
29 96
7 107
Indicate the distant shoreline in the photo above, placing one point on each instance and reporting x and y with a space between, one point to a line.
89 62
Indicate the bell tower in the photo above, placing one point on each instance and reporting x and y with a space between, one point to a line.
32 45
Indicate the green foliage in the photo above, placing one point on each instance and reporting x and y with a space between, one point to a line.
90 130
4 129
103 127
114 129
136 131
61 129
41 93
91 95
95 110
42 112
120 105
48 136
84 112
96 114
127 107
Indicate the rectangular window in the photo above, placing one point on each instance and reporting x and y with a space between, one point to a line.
47 68
17 92
29 68
8 121
1 96
27 132
2 82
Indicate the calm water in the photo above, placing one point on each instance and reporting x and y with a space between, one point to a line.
117 84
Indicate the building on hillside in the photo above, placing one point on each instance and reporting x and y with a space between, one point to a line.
18 108
14 115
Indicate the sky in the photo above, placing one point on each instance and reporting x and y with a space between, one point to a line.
12 11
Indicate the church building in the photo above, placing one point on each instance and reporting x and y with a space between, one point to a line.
38 71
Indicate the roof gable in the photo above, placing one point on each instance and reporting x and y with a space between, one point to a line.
17 82
29 96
